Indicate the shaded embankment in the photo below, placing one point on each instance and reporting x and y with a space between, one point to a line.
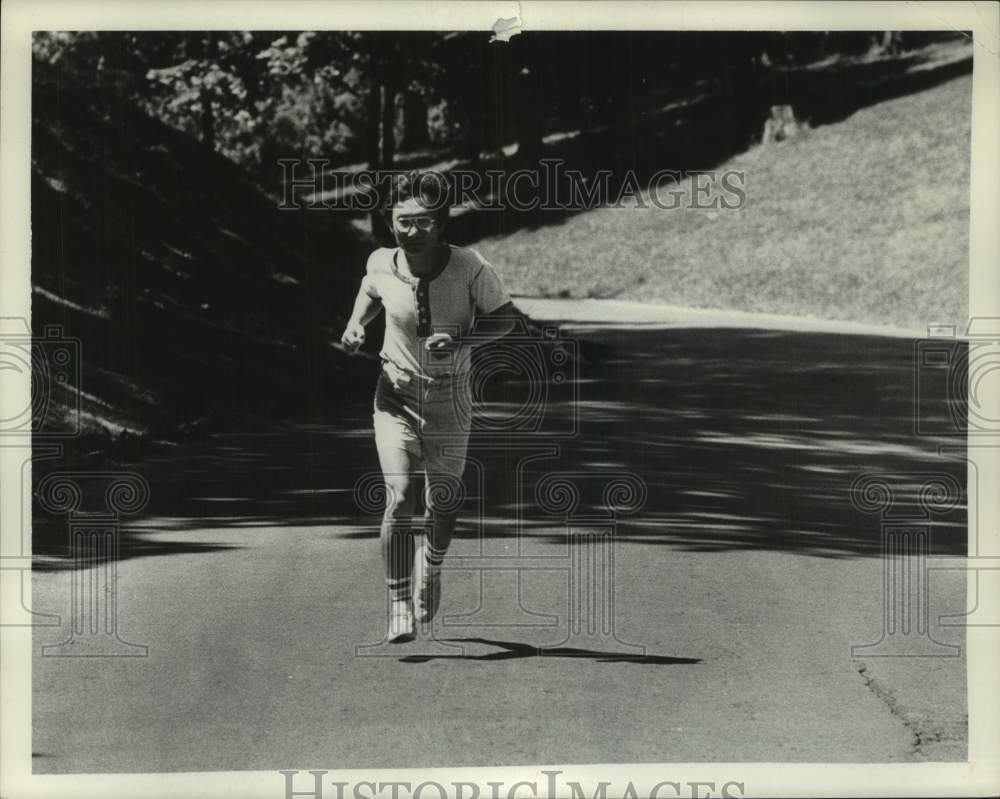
191 294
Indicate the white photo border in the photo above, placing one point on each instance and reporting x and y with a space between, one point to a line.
980 776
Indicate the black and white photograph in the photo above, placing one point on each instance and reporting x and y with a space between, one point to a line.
408 399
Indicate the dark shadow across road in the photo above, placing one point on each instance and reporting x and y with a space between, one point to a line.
744 439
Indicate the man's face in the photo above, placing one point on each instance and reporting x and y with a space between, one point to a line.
415 228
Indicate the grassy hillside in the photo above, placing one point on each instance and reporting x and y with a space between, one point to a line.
865 219
191 294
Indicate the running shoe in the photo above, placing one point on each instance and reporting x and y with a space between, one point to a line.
400 622
426 587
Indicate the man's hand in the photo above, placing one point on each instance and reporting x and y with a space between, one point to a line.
354 337
440 343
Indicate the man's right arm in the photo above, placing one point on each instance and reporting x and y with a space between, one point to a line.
367 305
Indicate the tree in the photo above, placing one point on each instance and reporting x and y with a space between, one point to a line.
529 98
204 45
415 135
623 105
389 67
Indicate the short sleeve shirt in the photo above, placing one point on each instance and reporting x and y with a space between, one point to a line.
416 308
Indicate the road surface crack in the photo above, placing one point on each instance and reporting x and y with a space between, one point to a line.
922 735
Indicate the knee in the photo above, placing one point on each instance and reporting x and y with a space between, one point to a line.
445 495
434 515
398 500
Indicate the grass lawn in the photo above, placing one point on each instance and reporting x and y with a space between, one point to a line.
865 220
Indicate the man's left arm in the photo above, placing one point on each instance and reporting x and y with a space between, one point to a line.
495 312
493 325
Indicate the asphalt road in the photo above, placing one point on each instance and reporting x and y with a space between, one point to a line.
740 581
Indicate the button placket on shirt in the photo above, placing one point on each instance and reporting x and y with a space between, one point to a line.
421 294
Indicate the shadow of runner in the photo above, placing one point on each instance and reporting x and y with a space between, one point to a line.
511 650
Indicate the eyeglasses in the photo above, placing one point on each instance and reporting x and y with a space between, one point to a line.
423 223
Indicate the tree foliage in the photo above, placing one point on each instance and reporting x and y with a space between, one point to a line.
256 96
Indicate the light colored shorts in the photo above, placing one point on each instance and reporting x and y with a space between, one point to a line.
428 420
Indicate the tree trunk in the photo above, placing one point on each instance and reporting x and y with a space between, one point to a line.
373 108
415 133
473 144
207 121
373 150
528 97
623 107
474 107
892 42
207 97
390 87
782 125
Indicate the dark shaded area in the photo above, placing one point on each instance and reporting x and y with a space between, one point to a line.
510 650
742 439
130 546
193 297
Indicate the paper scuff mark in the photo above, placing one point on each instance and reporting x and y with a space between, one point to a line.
504 28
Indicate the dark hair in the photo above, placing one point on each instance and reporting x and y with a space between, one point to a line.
429 188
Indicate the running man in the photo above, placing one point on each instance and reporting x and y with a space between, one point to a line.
432 293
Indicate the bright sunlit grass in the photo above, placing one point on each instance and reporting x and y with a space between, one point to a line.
865 220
